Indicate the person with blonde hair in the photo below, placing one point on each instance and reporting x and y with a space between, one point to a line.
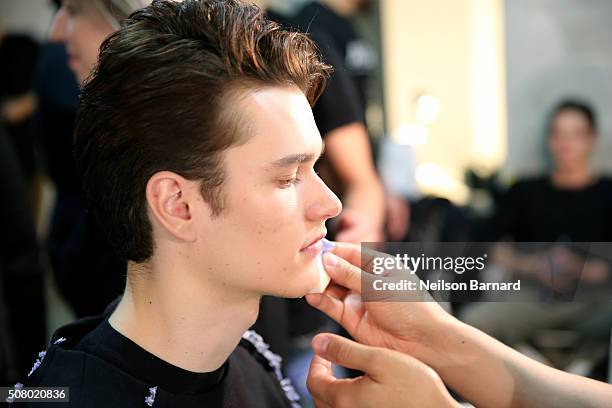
83 24
75 241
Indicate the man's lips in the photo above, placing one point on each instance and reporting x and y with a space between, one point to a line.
315 244
72 59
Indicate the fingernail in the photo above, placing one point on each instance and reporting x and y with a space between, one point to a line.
319 344
330 259
327 245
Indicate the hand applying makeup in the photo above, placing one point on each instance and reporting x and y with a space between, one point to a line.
482 370
405 326
391 378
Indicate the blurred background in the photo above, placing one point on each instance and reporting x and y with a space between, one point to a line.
484 118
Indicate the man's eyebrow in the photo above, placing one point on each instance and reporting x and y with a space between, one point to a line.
298 158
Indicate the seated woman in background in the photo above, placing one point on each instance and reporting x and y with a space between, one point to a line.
571 204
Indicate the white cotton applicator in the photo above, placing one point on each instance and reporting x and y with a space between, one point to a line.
323 276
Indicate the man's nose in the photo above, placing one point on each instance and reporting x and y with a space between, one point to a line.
57 32
326 205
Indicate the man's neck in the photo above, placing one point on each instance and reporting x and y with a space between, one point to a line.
174 317
576 178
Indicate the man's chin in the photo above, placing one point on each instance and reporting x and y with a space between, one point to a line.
299 291
296 293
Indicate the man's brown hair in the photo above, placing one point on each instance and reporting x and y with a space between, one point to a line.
162 97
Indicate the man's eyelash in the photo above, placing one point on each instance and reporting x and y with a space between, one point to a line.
289 182
286 183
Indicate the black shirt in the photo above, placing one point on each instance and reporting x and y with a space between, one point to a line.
356 56
537 211
103 368
340 103
18 54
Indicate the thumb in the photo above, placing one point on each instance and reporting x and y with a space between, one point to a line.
348 353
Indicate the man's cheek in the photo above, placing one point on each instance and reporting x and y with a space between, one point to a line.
273 221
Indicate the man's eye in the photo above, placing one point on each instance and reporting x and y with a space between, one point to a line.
286 183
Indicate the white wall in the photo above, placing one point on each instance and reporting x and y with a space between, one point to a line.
452 50
555 49
26 16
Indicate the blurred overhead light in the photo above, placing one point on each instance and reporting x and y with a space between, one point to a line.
427 108
414 134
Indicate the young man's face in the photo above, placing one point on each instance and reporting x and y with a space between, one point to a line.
274 206
571 139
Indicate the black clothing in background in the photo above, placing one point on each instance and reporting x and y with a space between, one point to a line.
356 55
316 17
285 21
103 368
534 210
18 54
22 300
340 102
88 273
435 219
58 96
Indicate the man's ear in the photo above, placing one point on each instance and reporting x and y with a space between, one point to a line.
170 199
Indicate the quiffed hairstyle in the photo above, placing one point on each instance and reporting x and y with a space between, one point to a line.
162 97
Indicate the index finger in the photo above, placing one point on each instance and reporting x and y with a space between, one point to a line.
342 272
323 386
320 379
354 254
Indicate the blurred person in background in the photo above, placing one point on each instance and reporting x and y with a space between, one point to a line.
75 241
58 93
333 18
82 25
571 204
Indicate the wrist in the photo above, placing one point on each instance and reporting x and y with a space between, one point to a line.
439 344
